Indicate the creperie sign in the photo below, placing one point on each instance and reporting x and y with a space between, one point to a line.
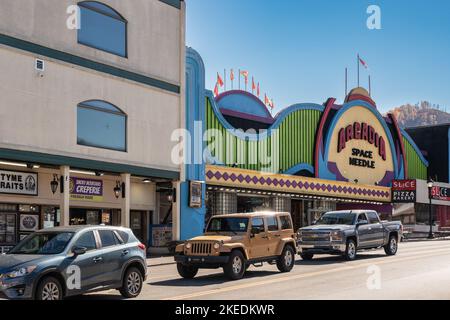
362 131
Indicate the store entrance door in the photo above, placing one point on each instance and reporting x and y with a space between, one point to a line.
137 224
297 214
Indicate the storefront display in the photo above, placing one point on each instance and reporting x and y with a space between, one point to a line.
161 235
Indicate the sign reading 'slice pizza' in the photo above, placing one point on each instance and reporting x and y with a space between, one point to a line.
360 150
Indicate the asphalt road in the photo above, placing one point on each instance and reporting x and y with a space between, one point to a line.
421 270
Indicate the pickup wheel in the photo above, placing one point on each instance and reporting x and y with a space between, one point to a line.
392 246
187 272
285 262
235 268
350 250
306 256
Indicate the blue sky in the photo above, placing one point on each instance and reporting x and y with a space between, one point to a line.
298 49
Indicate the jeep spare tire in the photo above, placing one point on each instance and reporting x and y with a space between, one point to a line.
235 268
285 262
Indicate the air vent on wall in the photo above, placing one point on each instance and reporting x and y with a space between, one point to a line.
40 65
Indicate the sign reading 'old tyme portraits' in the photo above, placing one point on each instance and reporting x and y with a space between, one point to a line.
404 191
21 183
86 189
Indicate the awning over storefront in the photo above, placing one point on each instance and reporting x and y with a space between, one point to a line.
240 178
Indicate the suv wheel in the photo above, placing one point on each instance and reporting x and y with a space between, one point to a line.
132 283
235 268
392 246
350 251
49 289
187 272
306 256
285 262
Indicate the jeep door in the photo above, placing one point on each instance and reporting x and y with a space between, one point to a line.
274 235
259 243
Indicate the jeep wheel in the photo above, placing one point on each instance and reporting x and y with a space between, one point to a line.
285 262
235 268
49 289
132 283
392 246
187 272
307 256
350 250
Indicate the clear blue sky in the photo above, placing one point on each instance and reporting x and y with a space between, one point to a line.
298 49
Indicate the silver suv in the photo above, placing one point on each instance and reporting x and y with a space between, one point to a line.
55 263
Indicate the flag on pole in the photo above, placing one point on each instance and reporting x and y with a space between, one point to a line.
216 90
245 75
232 78
257 90
363 63
266 100
253 85
219 80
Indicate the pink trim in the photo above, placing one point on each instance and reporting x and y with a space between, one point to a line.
319 137
402 145
354 97
247 116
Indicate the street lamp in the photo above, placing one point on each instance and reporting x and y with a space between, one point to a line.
117 190
54 184
430 189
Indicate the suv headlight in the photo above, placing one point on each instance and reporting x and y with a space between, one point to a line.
188 245
20 272
336 236
216 246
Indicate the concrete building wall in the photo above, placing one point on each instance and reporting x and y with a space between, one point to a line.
44 111
154 33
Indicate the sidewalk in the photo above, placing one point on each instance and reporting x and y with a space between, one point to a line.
156 261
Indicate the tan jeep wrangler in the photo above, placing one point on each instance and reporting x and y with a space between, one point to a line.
236 241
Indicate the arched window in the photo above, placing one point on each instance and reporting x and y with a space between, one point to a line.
101 125
103 28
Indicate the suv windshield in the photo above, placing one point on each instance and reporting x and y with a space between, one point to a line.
43 243
228 225
337 218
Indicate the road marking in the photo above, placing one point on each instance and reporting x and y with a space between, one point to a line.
302 276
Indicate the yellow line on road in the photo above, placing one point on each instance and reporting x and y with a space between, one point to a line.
302 276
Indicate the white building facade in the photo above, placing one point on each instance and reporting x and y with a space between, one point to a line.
90 95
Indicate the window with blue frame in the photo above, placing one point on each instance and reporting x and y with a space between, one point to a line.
101 125
103 28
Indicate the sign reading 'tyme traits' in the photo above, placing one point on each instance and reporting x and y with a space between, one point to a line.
86 189
22 183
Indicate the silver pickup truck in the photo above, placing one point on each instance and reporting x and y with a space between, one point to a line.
346 232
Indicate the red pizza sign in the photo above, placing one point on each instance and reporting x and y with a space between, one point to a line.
404 185
404 191
440 193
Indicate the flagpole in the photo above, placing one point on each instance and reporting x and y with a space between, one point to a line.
358 68
346 82
239 79
225 79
